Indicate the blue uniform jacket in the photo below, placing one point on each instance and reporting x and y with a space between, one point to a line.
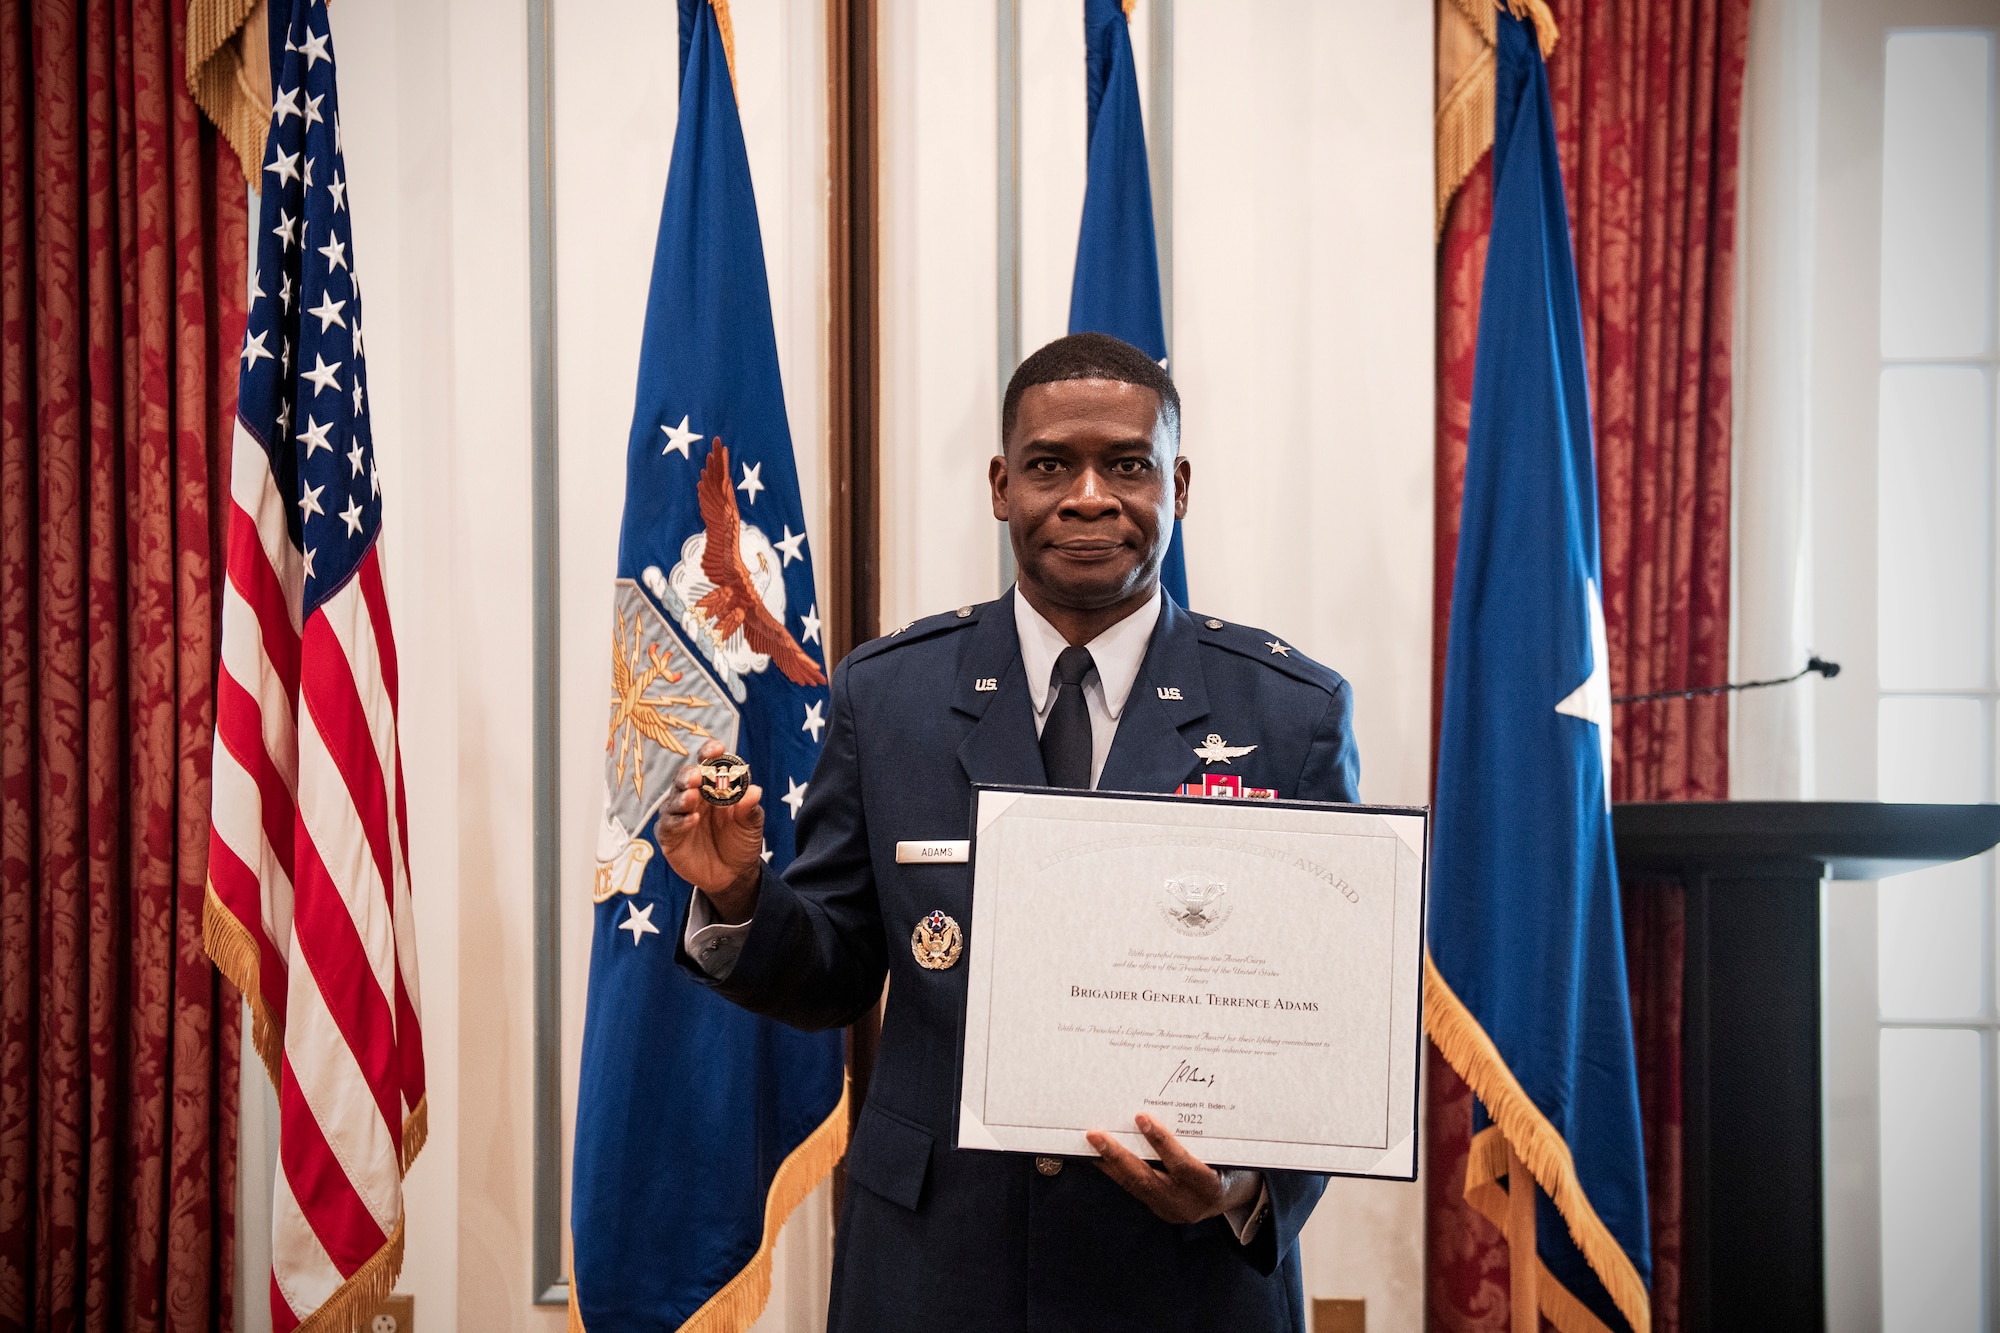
941 1238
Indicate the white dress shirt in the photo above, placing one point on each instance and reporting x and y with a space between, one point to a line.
1116 655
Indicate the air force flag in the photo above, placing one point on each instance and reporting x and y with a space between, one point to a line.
1116 287
699 1126
1525 994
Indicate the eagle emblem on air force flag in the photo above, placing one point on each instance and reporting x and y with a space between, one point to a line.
727 592
728 589
663 706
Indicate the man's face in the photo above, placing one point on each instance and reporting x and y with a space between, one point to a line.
1089 486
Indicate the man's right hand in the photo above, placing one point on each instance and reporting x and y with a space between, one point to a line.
717 848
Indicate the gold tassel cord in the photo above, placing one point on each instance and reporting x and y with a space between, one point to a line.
1470 1051
230 947
353 1303
1538 13
736 1306
220 81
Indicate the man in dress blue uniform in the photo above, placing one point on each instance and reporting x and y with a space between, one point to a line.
1082 676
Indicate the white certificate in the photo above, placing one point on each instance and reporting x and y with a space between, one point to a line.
1248 973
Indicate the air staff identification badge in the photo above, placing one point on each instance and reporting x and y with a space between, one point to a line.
936 942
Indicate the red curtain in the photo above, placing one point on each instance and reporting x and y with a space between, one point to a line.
122 254
1648 105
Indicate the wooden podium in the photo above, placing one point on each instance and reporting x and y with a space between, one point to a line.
1752 1210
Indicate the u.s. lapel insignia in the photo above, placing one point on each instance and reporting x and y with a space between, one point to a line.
936 942
1213 751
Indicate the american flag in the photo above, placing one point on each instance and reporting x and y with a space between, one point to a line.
308 910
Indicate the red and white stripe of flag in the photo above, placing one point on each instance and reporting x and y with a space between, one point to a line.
308 908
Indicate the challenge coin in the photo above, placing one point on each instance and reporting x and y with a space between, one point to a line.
724 779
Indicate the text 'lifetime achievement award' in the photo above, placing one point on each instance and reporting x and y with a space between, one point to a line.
1248 973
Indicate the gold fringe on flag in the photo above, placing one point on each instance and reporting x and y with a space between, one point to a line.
230 947
1470 1051
1464 130
1480 14
736 1307
416 1131
353 1302
1465 107
228 74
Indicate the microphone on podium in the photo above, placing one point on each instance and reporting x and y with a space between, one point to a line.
1815 666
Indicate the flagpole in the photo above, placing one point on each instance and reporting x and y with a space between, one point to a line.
1522 1267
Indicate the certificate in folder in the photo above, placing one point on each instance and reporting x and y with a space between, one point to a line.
1248 973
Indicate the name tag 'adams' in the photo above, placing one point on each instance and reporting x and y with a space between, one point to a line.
935 852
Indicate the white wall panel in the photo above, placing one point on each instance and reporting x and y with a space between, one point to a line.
434 127
1931 1206
1054 155
1303 329
940 393
612 111
1937 194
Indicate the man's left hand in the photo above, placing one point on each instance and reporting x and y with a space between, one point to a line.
1180 1189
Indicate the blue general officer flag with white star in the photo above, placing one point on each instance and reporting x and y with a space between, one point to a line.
1116 287
688 1107
1526 993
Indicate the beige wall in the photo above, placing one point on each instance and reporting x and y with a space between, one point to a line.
1302 343
434 126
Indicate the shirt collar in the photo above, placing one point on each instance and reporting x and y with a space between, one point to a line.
1117 652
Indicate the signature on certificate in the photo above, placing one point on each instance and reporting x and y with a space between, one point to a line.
1189 1074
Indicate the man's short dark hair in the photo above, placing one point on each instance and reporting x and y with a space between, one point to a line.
1092 356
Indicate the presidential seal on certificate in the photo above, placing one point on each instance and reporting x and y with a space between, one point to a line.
1248 973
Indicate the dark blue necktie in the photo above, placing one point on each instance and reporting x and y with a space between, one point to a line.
1066 735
